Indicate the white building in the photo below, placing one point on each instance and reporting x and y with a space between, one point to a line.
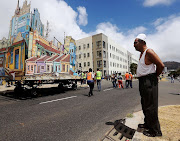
99 51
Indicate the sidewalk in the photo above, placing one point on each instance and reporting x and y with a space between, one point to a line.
169 121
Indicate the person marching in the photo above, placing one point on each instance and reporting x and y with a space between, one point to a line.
127 80
120 81
130 79
84 77
90 82
98 79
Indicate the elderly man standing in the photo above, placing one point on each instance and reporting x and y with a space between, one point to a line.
149 68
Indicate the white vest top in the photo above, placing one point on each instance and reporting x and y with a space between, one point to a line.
142 68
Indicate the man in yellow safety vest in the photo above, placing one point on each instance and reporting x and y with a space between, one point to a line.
98 79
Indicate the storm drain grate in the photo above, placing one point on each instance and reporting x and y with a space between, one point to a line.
125 130
119 132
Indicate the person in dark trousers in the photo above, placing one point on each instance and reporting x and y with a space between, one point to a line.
90 82
149 68
130 79
127 80
98 79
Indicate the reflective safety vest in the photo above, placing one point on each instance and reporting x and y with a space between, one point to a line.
127 76
84 76
98 75
89 76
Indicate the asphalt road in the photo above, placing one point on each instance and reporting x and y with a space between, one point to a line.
72 115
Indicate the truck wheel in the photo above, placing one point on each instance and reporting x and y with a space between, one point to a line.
60 86
34 93
18 92
74 86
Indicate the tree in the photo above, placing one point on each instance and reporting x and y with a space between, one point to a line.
133 68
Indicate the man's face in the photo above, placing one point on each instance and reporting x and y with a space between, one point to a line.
137 44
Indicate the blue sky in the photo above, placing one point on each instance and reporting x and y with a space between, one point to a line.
120 20
125 14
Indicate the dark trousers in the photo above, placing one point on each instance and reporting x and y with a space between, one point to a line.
148 87
91 86
127 83
130 83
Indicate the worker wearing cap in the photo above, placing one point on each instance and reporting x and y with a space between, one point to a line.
130 79
149 68
127 80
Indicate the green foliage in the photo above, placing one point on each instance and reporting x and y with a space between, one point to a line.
174 73
133 68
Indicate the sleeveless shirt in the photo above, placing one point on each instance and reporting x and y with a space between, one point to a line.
142 68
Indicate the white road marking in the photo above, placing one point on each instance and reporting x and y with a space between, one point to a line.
108 89
57 99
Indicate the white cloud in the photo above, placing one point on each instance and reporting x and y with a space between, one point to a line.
150 3
82 16
158 21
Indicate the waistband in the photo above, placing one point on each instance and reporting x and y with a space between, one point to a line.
151 75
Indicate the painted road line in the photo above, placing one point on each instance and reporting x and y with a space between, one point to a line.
108 89
57 100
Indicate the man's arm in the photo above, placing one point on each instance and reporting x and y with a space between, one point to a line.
154 58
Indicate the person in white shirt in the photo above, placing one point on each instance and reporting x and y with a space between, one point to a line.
149 68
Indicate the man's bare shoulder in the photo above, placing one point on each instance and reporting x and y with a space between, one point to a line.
150 51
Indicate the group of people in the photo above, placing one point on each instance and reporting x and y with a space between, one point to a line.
91 78
117 80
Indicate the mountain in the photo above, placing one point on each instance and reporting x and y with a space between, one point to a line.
171 65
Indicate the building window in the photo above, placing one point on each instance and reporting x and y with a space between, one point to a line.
84 55
42 67
48 68
11 57
110 55
84 64
98 44
98 53
63 68
28 68
104 54
88 63
87 45
79 56
99 63
67 68
105 64
84 46
110 46
87 54
79 47
79 64
111 64
104 44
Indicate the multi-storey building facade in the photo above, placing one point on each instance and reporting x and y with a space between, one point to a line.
104 54
25 21
84 54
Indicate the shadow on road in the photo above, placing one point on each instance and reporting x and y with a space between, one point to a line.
40 92
175 93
